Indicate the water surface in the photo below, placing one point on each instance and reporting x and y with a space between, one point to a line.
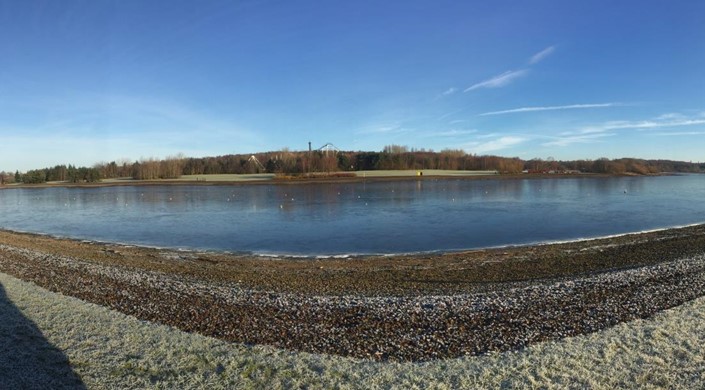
359 218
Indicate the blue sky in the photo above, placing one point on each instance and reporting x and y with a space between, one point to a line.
89 81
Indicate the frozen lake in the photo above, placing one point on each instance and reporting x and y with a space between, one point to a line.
359 218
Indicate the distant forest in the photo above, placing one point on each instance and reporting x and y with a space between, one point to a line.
331 161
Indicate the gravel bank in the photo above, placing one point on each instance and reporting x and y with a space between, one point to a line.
454 319
109 350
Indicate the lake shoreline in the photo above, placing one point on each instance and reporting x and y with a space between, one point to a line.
405 308
320 180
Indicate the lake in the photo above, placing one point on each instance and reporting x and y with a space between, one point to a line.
332 219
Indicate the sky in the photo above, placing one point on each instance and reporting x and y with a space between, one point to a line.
93 81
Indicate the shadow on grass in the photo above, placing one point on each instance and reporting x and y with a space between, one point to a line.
27 359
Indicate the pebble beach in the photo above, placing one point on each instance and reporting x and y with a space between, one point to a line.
404 308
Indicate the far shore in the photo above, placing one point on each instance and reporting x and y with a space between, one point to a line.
333 177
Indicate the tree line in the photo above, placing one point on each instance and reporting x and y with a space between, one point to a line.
60 173
297 163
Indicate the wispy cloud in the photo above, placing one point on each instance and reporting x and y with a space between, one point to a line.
384 129
451 133
447 114
549 108
446 93
498 81
671 115
494 145
488 135
594 133
577 139
638 125
678 133
538 57
508 77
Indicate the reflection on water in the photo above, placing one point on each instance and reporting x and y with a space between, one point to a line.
374 217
